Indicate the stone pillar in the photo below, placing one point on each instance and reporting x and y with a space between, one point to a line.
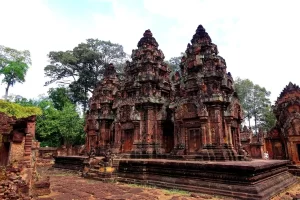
150 125
176 133
102 133
219 128
136 133
226 136
203 133
159 142
209 134
229 133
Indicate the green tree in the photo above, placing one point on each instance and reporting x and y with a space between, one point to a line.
255 102
13 66
59 97
268 119
244 88
70 124
83 67
56 127
260 103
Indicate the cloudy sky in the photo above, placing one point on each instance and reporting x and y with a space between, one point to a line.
259 40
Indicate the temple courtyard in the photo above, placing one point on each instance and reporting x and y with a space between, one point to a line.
70 185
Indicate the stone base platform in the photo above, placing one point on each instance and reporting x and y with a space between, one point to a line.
70 162
257 179
294 169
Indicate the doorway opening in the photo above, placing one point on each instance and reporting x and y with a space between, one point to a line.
298 150
128 141
194 140
4 153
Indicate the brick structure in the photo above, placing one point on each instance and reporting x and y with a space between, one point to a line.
207 114
18 152
196 117
283 141
253 144
149 130
16 139
100 119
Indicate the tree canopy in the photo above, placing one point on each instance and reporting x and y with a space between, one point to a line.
13 66
60 122
18 111
256 103
83 67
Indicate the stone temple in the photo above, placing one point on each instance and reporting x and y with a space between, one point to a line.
177 132
196 115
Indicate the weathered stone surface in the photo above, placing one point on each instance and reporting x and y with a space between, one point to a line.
283 141
145 115
18 153
258 179
175 135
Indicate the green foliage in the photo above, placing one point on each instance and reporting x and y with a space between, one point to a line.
255 102
13 66
60 122
83 67
70 124
59 96
268 118
18 111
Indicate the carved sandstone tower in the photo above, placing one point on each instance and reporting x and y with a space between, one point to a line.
283 141
144 97
100 119
207 111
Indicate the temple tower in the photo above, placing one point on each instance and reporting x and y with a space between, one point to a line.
283 141
207 113
144 97
100 118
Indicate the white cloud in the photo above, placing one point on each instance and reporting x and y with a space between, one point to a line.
33 26
258 39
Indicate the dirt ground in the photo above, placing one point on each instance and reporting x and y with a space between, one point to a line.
70 186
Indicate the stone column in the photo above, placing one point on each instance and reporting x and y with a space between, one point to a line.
176 134
102 133
203 133
229 134
136 131
209 134
150 125
160 137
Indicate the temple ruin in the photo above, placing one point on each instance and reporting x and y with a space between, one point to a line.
178 132
18 154
283 141
196 115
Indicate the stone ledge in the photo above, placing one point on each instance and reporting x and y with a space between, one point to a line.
257 179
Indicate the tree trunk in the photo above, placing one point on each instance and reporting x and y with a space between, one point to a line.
85 101
255 124
249 121
6 91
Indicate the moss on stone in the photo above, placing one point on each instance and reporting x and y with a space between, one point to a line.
18 111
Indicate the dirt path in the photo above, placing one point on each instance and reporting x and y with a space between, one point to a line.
70 186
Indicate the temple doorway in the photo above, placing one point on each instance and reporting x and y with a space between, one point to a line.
4 153
168 136
298 150
194 140
128 141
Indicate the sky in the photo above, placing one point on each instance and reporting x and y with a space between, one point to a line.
259 40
